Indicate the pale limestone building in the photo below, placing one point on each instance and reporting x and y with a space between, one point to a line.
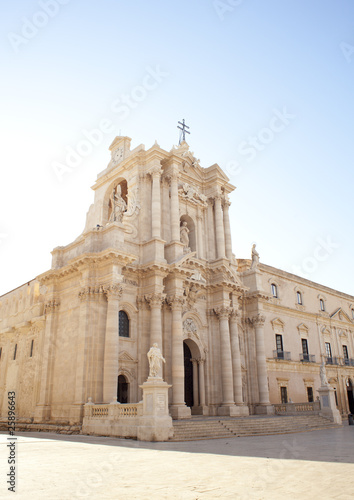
154 264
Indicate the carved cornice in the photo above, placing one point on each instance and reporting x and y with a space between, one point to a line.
155 299
222 311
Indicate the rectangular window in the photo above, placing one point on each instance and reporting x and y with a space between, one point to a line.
0 352
284 395
15 351
31 352
310 394
274 290
299 298
328 350
345 353
279 346
322 306
305 350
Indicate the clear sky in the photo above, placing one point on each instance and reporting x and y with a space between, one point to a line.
265 86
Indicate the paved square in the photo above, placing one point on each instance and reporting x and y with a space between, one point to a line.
310 465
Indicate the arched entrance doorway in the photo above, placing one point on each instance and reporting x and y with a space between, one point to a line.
350 396
188 376
123 386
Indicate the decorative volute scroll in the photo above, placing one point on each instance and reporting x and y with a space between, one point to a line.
133 204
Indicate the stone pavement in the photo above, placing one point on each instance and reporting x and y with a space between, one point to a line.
309 465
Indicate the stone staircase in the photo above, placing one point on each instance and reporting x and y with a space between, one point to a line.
226 427
28 426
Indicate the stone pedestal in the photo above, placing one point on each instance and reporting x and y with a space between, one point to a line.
264 409
328 404
156 423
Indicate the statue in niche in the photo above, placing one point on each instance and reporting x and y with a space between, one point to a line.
323 375
255 257
184 236
118 204
155 357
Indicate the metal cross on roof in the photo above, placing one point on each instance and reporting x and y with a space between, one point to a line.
184 131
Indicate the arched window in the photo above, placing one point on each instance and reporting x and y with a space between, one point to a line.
322 305
299 298
123 324
274 290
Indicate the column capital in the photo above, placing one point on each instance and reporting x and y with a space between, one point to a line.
234 314
201 361
155 299
175 301
51 306
257 320
222 312
156 171
91 292
113 291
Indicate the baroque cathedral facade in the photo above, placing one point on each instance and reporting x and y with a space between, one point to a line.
154 264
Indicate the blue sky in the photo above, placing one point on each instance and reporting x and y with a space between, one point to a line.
230 68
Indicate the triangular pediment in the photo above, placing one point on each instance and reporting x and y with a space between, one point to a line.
125 356
341 315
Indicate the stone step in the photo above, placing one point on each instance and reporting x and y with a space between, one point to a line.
43 427
189 430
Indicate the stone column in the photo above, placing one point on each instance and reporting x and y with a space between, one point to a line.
223 314
155 301
227 229
178 407
42 411
195 383
236 358
111 346
262 375
175 222
219 228
201 382
156 203
200 235
85 296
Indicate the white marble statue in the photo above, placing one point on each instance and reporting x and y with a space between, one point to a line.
184 234
255 257
155 357
118 205
323 376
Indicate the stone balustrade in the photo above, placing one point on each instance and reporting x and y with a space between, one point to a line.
296 408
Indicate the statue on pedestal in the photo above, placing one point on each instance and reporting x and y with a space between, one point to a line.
255 257
184 237
323 376
155 357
